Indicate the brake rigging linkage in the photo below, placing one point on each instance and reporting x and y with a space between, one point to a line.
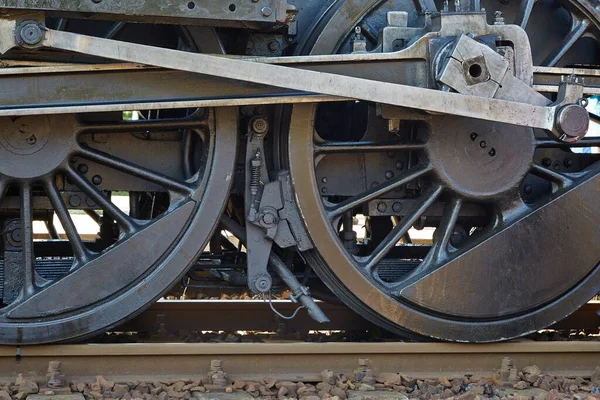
266 222
299 293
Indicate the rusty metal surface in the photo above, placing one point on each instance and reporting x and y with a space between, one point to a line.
231 13
301 361
229 315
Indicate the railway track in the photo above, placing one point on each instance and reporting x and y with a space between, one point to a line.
296 362
255 315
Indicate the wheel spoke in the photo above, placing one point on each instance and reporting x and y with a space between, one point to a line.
442 237
28 287
135 170
577 30
402 228
98 197
525 8
80 252
555 177
408 176
365 147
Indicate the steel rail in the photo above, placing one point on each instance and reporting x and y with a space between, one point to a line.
295 361
255 315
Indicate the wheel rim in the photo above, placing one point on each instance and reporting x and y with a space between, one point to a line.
107 282
410 303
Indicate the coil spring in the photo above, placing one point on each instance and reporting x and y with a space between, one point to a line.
255 173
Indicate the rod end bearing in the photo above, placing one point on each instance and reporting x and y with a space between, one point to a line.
29 34
572 123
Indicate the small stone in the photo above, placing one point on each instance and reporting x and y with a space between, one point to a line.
363 387
325 387
239 384
104 384
28 387
178 386
336 391
553 395
120 390
250 387
392 379
596 376
521 385
286 384
228 389
96 395
531 370
475 379
4 395
20 396
328 377
531 378
282 392
269 382
163 396
311 397
49 393
444 381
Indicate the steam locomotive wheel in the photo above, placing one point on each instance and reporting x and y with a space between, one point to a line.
515 214
176 170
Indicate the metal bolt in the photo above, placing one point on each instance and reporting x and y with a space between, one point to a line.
556 165
363 362
324 180
546 162
16 235
83 168
528 189
96 180
268 219
32 140
492 152
397 207
400 165
216 364
267 11
74 201
274 45
260 125
381 207
374 184
568 163
483 144
324 190
473 136
389 175
31 33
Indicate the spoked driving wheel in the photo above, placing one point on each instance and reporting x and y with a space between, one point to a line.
449 227
152 183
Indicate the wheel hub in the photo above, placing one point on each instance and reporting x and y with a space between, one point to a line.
34 146
480 160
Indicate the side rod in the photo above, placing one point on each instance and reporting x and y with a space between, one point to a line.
436 101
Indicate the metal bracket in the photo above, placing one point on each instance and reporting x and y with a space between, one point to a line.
258 244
